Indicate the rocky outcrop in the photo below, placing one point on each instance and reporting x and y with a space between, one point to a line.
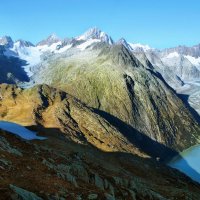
23 194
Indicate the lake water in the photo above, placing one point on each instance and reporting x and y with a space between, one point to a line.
188 162
19 130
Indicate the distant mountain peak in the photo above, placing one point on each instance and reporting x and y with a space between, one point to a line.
122 40
193 51
24 43
124 43
53 38
96 33
6 41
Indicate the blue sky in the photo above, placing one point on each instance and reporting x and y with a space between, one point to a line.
159 23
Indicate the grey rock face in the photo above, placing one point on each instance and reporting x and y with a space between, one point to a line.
23 194
175 69
122 41
182 67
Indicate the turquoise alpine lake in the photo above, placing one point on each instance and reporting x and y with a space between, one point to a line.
188 162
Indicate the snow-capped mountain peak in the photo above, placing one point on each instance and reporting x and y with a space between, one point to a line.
23 43
53 38
6 41
95 33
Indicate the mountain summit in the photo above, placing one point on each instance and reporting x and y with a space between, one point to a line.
6 41
53 38
23 43
95 33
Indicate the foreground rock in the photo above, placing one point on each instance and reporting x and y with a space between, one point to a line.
58 169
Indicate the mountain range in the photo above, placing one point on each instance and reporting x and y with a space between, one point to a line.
112 99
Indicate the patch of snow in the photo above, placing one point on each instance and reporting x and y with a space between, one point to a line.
172 55
138 45
30 54
87 43
65 48
20 131
82 37
52 48
193 60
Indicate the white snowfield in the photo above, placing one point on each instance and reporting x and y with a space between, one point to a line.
20 131
173 55
86 44
194 61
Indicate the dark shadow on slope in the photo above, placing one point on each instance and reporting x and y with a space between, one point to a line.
12 71
147 145
140 140
185 99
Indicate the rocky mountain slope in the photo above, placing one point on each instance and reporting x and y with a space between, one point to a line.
58 169
111 79
55 109
108 76
109 111
50 108
180 67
